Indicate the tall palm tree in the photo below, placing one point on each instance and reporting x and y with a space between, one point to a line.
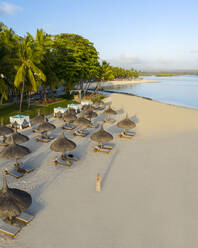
29 61
105 73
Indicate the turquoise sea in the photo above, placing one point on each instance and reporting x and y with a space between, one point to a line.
177 90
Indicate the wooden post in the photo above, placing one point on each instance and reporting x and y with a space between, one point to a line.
98 182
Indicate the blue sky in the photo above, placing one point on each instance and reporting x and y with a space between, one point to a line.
144 34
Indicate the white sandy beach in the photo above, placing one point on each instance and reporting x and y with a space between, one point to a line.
149 195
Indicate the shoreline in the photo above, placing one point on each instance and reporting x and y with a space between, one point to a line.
150 99
121 83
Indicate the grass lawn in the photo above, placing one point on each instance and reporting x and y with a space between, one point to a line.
13 109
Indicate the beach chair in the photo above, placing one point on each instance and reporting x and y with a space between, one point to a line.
14 173
24 217
99 149
47 137
40 139
103 146
92 125
35 130
127 135
69 126
9 229
3 143
21 168
81 133
64 162
70 157
109 121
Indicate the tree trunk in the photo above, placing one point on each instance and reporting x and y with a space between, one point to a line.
1 100
21 99
45 94
29 95
98 85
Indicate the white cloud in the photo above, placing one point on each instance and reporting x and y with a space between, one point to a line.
9 9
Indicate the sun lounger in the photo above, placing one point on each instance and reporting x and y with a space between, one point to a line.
127 135
109 121
9 229
105 147
40 139
71 157
92 125
69 126
82 133
24 217
3 143
47 137
14 173
64 162
35 130
99 149
21 168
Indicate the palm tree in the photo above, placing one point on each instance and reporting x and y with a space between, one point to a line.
105 73
29 58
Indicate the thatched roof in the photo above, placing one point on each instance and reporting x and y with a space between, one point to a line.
90 114
45 126
38 119
18 138
81 121
13 201
99 102
62 144
126 123
70 116
110 111
14 151
101 136
4 130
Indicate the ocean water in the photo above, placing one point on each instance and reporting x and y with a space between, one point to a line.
177 90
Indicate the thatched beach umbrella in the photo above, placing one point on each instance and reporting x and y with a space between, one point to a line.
13 201
70 116
62 144
45 126
90 114
38 119
82 122
99 102
126 124
59 114
4 130
109 111
18 138
14 151
101 136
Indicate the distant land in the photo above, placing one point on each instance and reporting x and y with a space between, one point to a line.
168 73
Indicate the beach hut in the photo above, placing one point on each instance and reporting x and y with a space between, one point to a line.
63 145
126 124
101 137
18 138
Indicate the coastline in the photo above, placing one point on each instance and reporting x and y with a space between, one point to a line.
149 187
121 83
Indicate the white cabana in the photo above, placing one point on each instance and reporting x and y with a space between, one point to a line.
19 119
60 109
77 107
